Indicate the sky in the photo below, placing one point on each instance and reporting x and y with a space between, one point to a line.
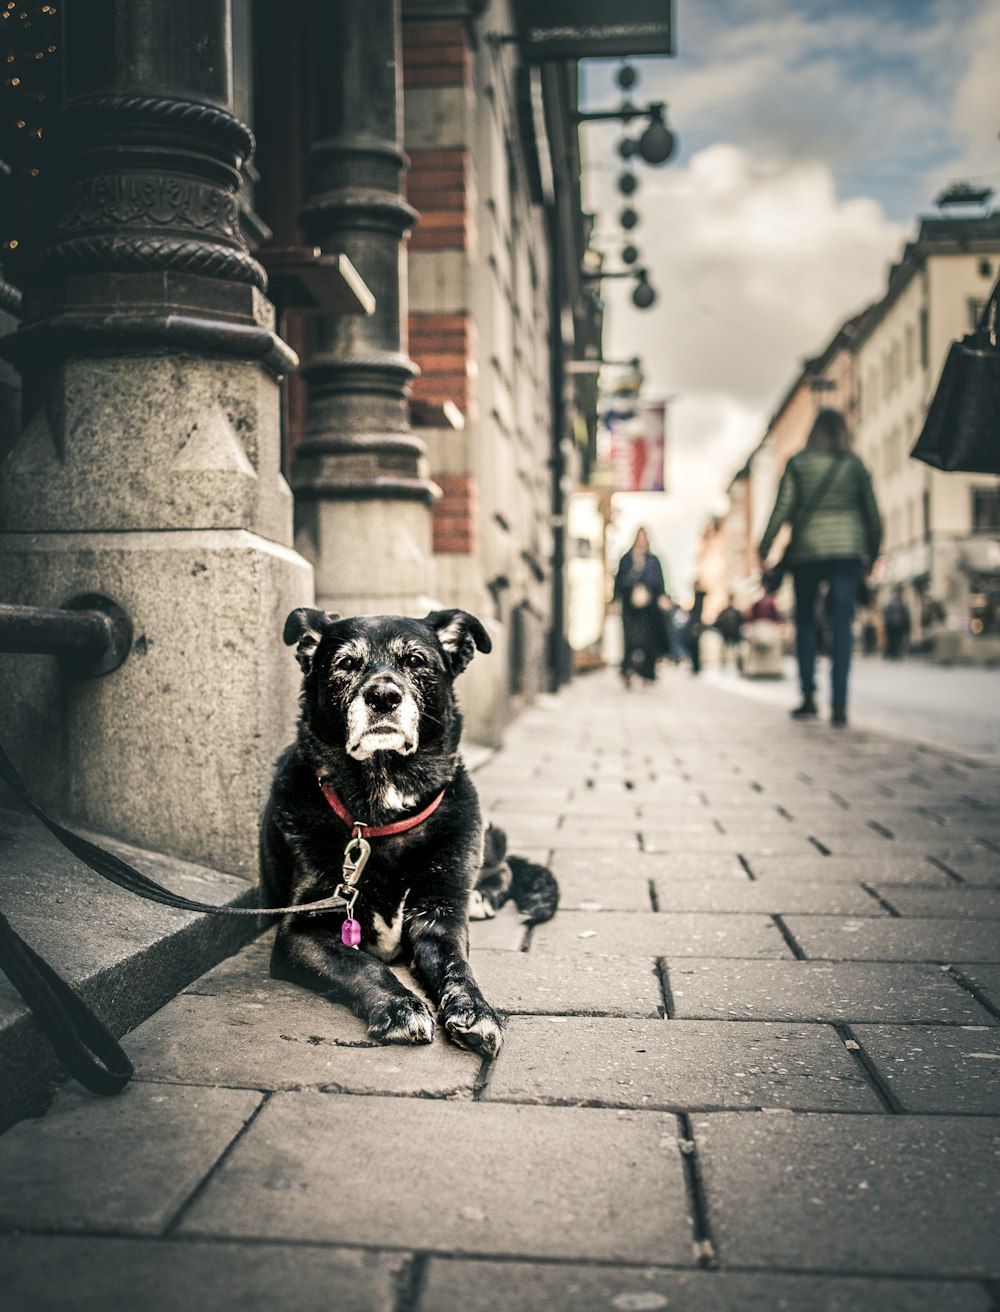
811 137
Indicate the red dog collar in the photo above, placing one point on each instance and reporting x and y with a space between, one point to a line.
361 830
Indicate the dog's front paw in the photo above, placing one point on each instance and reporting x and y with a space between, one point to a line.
472 1023
479 907
401 1020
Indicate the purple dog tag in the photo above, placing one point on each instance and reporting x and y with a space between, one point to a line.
350 933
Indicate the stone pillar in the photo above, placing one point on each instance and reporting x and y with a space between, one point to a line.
363 498
148 468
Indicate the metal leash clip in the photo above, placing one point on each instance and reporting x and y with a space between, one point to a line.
356 855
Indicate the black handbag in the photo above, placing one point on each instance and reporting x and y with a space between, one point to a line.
962 429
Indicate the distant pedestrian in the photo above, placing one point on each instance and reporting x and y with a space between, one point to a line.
761 656
729 626
826 495
695 628
673 649
639 587
897 623
869 633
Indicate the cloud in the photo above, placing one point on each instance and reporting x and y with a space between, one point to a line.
864 86
756 264
809 137
975 114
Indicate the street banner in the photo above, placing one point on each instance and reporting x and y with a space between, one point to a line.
635 437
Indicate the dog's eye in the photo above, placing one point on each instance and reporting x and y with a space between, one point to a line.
349 664
414 659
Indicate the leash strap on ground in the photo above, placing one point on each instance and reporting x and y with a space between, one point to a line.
88 1051
126 876
82 1043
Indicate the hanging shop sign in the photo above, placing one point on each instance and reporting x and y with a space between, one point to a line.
594 29
636 443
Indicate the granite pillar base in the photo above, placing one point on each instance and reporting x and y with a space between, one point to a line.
371 557
150 442
173 751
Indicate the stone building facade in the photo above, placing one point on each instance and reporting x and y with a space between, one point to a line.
941 540
941 531
246 384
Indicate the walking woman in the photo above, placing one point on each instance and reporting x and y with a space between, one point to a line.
640 589
826 495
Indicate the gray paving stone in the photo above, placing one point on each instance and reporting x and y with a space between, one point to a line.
985 978
608 892
901 1195
678 1065
506 932
246 971
722 989
663 934
125 1164
767 844
566 1182
979 903
937 1069
890 939
695 865
590 985
850 840
575 837
53 1273
873 868
975 867
766 896
304 1042
462 1286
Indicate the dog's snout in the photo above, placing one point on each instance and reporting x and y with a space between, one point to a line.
383 695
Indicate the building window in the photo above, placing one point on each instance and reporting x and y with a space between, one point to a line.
986 510
976 306
925 340
909 350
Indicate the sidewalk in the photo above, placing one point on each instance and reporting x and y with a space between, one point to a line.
753 1062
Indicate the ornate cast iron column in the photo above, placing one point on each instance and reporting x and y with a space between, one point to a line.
148 469
362 495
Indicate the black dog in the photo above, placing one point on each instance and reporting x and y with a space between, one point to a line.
373 806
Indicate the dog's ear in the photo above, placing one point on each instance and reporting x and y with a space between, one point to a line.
306 627
460 634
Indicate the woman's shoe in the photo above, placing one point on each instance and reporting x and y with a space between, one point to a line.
838 716
807 711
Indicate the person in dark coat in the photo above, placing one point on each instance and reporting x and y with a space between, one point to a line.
835 545
729 625
640 589
695 628
898 625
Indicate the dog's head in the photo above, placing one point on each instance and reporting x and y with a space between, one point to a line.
382 683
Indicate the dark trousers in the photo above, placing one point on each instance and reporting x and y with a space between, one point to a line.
842 578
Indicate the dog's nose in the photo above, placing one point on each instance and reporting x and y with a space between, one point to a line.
383 695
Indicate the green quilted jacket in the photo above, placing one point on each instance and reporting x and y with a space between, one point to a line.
845 524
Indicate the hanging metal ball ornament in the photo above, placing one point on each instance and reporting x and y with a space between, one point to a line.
628 184
626 77
643 296
657 143
630 254
628 218
627 147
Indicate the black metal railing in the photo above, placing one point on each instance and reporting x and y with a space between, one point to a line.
91 635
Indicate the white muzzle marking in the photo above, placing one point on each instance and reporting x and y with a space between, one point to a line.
370 731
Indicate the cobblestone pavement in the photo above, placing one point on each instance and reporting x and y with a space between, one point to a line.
753 1063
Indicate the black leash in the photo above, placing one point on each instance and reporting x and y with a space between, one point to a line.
85 1047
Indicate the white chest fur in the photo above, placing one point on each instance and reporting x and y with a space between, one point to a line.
388 936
